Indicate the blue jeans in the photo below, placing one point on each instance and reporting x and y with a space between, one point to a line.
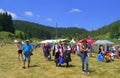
26 56
84 58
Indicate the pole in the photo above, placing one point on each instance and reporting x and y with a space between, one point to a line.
56 32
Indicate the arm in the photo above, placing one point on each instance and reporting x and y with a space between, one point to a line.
83 50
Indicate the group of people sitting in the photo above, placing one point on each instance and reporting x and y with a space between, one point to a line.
109 54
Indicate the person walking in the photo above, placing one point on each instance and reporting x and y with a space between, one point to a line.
19 46
47 50
27 50
84 56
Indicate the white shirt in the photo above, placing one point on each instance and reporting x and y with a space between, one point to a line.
19 46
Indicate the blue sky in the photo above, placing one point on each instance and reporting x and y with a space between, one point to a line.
88 14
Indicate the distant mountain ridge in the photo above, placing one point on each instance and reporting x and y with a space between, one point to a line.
48 32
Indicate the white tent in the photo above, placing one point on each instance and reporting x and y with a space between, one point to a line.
15 41
52 40
103 42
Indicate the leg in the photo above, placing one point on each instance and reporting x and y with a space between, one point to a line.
56 63
82 59
24 59
28 61
19 56
67 64
22 56
86 60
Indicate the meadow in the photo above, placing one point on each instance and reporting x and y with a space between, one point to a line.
10 67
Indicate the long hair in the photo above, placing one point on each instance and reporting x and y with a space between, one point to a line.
100 48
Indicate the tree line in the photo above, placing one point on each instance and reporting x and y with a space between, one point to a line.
6 22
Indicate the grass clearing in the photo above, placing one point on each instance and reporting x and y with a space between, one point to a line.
10 67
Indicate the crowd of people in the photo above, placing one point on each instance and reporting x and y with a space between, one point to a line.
109 54
62 53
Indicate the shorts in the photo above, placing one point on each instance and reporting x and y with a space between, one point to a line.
26 57
20 51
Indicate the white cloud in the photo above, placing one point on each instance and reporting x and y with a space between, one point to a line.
75 10
48 19
14 16
2 11
28 13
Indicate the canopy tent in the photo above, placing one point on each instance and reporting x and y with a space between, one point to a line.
103 42
88 40
15 41
52 41
72 41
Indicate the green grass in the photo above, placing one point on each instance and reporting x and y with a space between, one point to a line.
5 34
10 67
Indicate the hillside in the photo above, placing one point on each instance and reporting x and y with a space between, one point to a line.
6 36
47 32
110 31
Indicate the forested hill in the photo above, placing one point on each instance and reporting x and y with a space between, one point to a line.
111 31
46 32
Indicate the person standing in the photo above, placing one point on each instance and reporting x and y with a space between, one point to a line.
67 55
19 46
47 50
53 48
27 50
57 54
84 56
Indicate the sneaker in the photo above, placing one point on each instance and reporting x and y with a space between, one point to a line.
28 66
23 67
83 72
88 73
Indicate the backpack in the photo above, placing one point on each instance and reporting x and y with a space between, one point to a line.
100 57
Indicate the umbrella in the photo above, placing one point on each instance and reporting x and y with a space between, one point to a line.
79 41
88 40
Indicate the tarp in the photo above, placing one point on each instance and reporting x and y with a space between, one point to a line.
103 42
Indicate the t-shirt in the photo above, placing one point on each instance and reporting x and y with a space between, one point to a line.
27 49
19 46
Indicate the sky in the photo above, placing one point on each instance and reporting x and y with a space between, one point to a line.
88 14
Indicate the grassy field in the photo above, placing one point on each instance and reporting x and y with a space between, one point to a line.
10 67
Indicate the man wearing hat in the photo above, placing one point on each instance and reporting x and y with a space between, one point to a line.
27 48
84 56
